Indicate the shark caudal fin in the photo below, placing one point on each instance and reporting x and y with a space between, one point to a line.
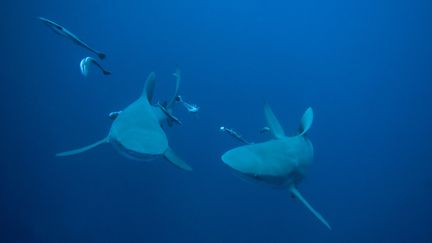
297 195
175 160
306 121
80 150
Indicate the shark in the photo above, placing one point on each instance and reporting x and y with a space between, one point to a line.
137 130
66 33
282 161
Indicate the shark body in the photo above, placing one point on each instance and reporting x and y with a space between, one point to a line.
282 161
137 131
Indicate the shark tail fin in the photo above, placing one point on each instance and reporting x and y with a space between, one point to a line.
175 160
297 195
83 149
306 121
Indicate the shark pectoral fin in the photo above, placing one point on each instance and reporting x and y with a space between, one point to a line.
175 160
80 150
306 121
149 87
273 123
297 195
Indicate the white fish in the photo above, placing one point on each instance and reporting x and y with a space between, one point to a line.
85 63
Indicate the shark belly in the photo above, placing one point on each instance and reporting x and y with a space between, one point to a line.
134 154
136 132
281 162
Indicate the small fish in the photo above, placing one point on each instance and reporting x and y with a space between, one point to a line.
113 115
84 65
191 108
66 33
265 129
234 134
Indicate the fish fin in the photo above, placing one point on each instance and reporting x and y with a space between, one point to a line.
297 195
306 121
272 122
175 160
149 87
106 72
83 149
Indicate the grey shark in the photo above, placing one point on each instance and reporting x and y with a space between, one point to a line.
136 131
282 161
66 33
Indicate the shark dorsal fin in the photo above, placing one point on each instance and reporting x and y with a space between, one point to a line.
149 87
306 121
272 122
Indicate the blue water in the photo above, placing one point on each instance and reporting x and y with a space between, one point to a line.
364 66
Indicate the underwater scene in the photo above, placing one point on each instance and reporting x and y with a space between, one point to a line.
216 121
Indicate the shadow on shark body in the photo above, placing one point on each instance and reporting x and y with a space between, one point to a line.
137 133
281 162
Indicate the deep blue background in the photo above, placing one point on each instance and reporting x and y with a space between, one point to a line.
364 66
